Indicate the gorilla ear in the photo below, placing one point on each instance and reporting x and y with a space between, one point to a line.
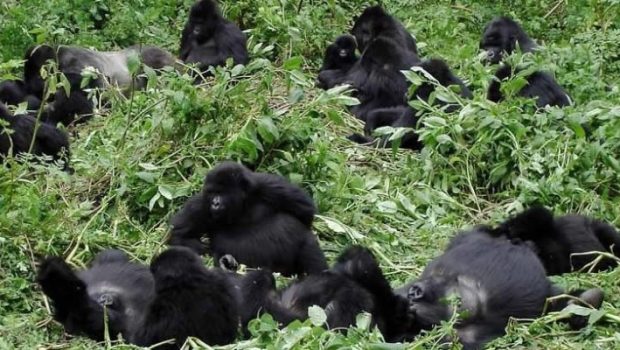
416 292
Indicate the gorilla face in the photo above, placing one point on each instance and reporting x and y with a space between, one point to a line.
203 19
501 36
427 301
226 191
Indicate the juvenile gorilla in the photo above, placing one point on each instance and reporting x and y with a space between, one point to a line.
555 239
208 39
190 300
501 37
16 137
377 76
376 23
13 92
339 57
260 219
495 280
355 284
112 282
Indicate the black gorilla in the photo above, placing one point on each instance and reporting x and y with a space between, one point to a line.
376 23
404 116
355 284
208 39
540 86
494 279
190 300
339 57
13 92
377 76
16 137
123 288
555 239
501 36
260 219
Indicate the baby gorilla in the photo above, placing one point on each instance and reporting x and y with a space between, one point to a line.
190 300
339 57
208 39
16 137
556 239
500 38
376 23
261 219
495 280
13 92
112 286
355 284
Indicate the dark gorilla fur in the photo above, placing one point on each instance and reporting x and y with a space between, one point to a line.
494 279
339 57
122 287
501 36
261 219
355 284
404 116
375 23
540 86
190 300
14 92
208 39
555 239
377 76
16 137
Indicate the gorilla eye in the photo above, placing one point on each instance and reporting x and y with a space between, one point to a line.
416 292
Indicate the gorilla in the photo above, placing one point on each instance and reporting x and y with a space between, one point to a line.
190 300
501 37
260 219
339 57
494 280
17 135
377 76
540 86
13 92
208 39
355 284
405 116
556 239
112 286
376 23
174 299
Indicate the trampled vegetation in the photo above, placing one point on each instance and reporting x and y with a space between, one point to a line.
136 162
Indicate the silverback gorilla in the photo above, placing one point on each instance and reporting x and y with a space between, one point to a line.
260 219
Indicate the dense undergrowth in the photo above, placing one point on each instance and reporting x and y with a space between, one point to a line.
136 162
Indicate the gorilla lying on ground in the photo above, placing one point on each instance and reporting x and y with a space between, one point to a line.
501 37
261 219
16 137
355 284
375 23
339 57
494 280
208 39
555 239
176 299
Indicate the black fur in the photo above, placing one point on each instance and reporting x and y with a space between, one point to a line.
16 137
13 92
189 301
439 70
494 279
555 239
113 282
501 36
208 39
260 219
397 117
375 23
339 57
355 284
540 86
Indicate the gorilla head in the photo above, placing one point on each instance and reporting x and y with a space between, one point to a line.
226 189
376 22
501 36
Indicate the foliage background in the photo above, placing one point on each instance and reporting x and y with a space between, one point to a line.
137 161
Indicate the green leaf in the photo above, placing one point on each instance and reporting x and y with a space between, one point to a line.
317 315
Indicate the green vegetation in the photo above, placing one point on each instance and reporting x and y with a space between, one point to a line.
136 162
